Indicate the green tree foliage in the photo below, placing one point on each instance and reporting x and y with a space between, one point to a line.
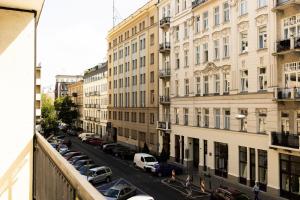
66 110
49 120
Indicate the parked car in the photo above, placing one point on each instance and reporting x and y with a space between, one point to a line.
123 152
141 197
224 193
120 192
83 170
62 148
80 163
107 148
74 159
82 135
165 169
99 174
144 161
65 152
105 143
94 141
70 155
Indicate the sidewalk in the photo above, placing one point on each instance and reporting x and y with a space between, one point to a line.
215 182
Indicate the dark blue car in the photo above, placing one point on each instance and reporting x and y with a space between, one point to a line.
165 169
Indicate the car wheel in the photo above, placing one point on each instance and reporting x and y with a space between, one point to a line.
108 179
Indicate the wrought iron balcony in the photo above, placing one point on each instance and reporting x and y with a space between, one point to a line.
287 94
165 73
165 22
164 99
196 3
165 47
290 45
284 4
163 126
285 140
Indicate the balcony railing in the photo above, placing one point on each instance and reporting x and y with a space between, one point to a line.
288 45
285 140
164 99
87 94
165 47
287 94
283 4
55 178
97 119
165 22
198 2
165 73
163 126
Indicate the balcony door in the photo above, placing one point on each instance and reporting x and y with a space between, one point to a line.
285 123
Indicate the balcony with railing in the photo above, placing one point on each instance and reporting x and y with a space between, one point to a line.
196 3
285 140
284 4
166 126
287 94
164 99
291 45
165 47
165 73
55 178
165 22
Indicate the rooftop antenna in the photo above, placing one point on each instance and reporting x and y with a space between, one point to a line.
116 14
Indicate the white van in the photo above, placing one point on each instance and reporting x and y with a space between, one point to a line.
144 161
84 135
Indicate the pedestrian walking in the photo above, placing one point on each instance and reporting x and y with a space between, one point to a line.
256 191
188 185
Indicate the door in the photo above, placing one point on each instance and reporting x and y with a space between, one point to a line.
195 152
182 149
177 148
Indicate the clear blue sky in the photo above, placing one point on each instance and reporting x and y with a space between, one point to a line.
72 34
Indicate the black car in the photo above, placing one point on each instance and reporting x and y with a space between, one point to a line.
224 193
165 169
109 147
81 163
123 152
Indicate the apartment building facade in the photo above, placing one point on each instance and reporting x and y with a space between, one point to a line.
95 100
75 91
62 82
132 79
233 90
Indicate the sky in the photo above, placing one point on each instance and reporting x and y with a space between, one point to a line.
72 34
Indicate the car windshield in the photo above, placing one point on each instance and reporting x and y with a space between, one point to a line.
112 193
150 159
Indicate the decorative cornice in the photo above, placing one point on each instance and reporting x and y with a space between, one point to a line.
261 19
242 26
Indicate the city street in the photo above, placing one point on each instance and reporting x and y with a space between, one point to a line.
145 182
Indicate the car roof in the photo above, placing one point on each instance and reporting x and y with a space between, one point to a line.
144 154
99 168
120 186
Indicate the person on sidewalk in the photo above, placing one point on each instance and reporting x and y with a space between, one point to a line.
188 185
256 191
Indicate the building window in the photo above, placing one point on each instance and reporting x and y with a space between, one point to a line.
205 21
176 113
216 16
217 84
199 116
206 118
262 37
205 52
120 115
221 159
142 117
243 164
244 42
227 119
151 58
261 120
177 33
216 50
176 88
217 118
142 136
206 86
226 47
244 81
186 116
151 20
243 120
177 6
177 60
198 86
197 57
133 116
262 169
152 39
197 24
262 79
262 3
152 136
184 4
152 118
152 77
186 87
133 134
186 31
226 82
186 58
226 12
152 96
243 7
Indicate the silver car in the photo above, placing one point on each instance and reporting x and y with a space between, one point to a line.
120 192
99 174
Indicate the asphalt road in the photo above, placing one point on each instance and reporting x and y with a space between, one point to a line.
124 169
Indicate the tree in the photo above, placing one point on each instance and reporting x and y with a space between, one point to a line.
49 120
66 110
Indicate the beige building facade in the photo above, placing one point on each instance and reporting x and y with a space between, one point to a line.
132 79
233 90
95 100
75 91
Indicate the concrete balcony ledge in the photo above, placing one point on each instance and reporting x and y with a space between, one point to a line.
80 187
284 4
